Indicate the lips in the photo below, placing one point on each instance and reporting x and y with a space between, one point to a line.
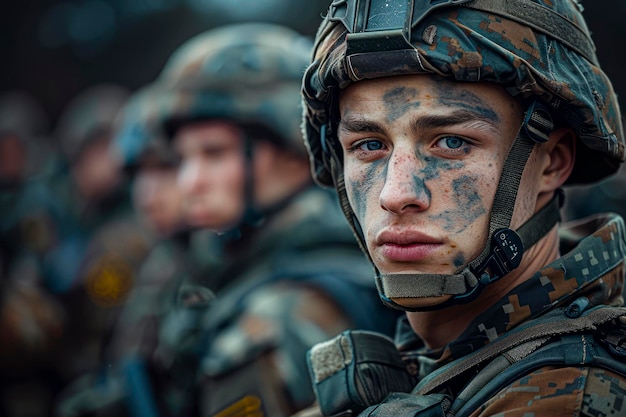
406 246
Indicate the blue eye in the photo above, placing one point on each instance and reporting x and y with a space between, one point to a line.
451 142
371 145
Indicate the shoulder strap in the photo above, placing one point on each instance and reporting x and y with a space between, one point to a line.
567 350
518 344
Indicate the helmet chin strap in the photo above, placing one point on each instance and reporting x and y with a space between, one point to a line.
503 251
251 216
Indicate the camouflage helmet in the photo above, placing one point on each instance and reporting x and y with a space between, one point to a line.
536 49
249 73
90 114
137 134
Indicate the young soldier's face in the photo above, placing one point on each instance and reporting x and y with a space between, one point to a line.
422 160
212 174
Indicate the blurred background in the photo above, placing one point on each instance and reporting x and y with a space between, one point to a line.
55 48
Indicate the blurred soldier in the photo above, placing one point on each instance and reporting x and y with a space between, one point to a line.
95 270
149 164
152 167
31 225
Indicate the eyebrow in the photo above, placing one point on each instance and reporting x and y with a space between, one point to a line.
457 117
360 126
477 120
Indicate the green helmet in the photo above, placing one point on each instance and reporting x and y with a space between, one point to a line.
137 134
540 51
249 73
89 115
537 49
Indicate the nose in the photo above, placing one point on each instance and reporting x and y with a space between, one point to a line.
405 189
190 179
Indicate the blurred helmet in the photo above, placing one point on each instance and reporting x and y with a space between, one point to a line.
536 49
89 116
137 135
24 146
249 73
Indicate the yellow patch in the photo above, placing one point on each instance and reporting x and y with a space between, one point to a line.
109 280
248 406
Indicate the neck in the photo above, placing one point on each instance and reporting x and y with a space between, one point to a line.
439 327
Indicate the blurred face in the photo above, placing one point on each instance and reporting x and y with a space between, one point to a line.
12 159
157 198
422 160
211 176
96 172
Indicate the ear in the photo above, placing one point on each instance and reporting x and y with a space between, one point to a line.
560 154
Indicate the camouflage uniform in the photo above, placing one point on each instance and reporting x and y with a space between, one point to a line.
542 54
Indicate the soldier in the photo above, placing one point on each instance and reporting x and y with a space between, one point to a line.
448 129
95 269
31 225
149 164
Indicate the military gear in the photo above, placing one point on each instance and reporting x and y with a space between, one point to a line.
551 340
355 370
297 280
248 73
469 41
279 289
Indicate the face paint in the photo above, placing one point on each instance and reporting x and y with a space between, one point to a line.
361 186
468 206
459 260
399 101
465 99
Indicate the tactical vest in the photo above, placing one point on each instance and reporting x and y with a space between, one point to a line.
368 372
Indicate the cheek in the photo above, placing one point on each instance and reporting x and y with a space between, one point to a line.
463 203
363 185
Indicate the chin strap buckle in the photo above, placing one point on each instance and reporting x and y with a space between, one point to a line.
506 255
